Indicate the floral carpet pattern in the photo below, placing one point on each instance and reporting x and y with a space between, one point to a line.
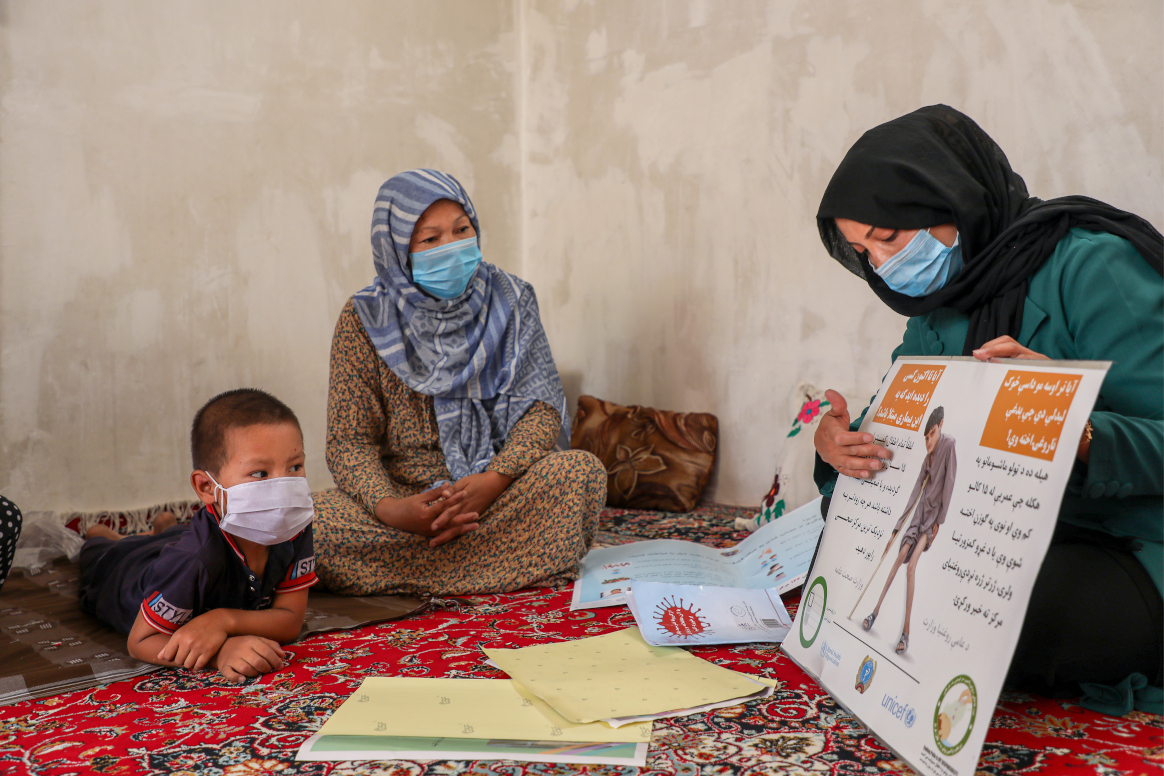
176 721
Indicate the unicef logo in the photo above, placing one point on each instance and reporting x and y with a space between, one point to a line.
899 710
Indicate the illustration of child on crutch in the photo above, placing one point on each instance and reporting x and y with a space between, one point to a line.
929 501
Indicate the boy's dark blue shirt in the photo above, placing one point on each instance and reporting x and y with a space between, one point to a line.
186 571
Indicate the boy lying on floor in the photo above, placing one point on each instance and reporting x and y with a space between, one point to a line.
226 589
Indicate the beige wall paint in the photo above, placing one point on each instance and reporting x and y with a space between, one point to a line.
186 195
677 151
186 192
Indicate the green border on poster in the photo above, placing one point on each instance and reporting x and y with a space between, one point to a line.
959 679
806 643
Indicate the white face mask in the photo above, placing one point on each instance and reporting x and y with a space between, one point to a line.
267 511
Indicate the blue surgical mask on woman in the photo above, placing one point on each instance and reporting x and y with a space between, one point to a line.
445 271
923 266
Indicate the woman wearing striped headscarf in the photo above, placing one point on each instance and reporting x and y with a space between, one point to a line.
444 411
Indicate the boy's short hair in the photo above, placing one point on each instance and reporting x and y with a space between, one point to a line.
936 417
232 409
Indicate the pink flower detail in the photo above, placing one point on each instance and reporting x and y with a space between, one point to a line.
809 411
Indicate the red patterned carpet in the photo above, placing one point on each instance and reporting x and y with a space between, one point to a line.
178 722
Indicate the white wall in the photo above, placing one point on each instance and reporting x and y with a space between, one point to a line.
677 152
186 195
186 192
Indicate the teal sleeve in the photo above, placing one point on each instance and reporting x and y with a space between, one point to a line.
825 475
1125 458
1114 306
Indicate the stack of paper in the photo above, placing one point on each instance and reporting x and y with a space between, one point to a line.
619 678
585 701
465 719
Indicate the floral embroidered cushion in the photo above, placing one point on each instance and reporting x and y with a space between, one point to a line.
656 459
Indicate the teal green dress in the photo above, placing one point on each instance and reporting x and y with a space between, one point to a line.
1094 299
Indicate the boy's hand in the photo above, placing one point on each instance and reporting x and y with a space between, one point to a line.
438 514
245 656
196 643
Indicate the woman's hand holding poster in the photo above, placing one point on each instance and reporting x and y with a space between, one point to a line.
912 610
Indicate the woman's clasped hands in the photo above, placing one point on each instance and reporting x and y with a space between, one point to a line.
447 511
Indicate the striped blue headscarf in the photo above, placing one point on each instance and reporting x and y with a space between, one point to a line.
483 356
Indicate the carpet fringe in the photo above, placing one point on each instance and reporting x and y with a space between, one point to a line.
130 521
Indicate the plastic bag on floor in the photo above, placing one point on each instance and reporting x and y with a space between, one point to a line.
43 539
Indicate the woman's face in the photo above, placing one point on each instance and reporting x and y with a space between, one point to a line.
444 222
881 244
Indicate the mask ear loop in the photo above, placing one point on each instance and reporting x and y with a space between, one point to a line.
217 487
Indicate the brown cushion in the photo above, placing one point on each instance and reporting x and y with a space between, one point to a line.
656 459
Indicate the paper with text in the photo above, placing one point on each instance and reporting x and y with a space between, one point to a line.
911 612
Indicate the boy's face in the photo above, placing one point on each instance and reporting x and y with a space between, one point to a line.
255 453
932 437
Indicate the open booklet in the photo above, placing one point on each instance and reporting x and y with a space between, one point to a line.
912 610
776 556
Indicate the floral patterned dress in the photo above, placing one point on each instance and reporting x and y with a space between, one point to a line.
382 441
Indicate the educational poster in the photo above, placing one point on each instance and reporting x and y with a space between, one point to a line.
912 610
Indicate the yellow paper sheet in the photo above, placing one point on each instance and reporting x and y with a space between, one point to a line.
462 708
618 675
773 683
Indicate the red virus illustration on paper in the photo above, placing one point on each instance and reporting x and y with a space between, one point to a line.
680 620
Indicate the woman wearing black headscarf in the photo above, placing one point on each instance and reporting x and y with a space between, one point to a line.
928 211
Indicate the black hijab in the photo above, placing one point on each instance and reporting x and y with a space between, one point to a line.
936 166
